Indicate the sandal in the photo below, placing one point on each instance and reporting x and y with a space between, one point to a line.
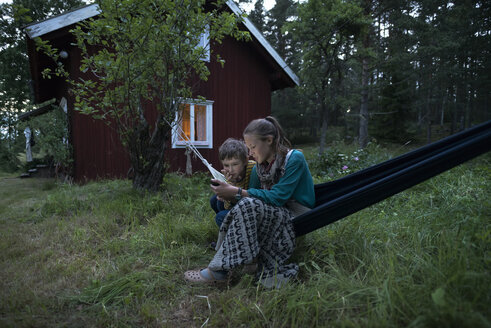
206 276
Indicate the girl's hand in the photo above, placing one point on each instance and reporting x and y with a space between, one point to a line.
223 190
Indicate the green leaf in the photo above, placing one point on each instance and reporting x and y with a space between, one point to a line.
438 296
315 265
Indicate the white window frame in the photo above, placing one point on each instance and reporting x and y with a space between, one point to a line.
176 143
204 42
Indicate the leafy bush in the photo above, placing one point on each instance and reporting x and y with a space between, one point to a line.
51 135
302 139
8 161
340 159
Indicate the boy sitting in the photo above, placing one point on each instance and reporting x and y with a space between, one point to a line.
237 169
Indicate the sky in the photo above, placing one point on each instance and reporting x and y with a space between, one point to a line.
268 4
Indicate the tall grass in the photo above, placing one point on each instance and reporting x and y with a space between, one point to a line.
102 255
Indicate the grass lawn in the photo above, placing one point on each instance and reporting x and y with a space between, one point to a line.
103 255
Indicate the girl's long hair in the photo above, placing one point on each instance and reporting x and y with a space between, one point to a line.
269 126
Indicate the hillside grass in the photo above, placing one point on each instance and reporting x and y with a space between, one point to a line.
104 255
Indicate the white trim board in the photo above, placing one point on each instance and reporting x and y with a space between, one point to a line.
63 20
255 32
78 15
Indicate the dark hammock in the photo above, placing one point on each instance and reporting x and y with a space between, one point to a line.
345 196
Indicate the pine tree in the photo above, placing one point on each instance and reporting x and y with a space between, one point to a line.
326 30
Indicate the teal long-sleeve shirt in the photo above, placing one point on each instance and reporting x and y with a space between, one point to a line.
296 183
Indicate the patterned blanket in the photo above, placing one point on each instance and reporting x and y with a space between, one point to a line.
254 230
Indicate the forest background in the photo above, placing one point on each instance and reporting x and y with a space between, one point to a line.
394 70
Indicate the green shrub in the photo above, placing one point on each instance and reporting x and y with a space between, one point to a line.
8 160
341 159
51 135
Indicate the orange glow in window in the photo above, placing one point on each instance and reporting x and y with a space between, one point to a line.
186 121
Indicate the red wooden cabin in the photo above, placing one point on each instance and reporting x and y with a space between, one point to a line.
236 94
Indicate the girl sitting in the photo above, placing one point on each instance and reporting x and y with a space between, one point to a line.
260 226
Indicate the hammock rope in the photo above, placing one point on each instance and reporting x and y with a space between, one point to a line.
216 174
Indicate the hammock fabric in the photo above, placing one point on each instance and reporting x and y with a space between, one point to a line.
345 196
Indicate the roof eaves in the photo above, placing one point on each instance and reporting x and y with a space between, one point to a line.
255 32
63 20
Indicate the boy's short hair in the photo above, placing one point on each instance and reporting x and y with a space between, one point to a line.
233 148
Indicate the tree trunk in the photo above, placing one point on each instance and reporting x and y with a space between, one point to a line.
322 146
442 112
468 96
189 164
420 120
461 96
428 132
147 156
363 128
429 114
453 112
313 131
471 107
363 131
151 178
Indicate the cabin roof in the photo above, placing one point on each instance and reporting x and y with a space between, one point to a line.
59 21
77 15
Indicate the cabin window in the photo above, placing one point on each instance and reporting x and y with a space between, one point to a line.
204 42
193 124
